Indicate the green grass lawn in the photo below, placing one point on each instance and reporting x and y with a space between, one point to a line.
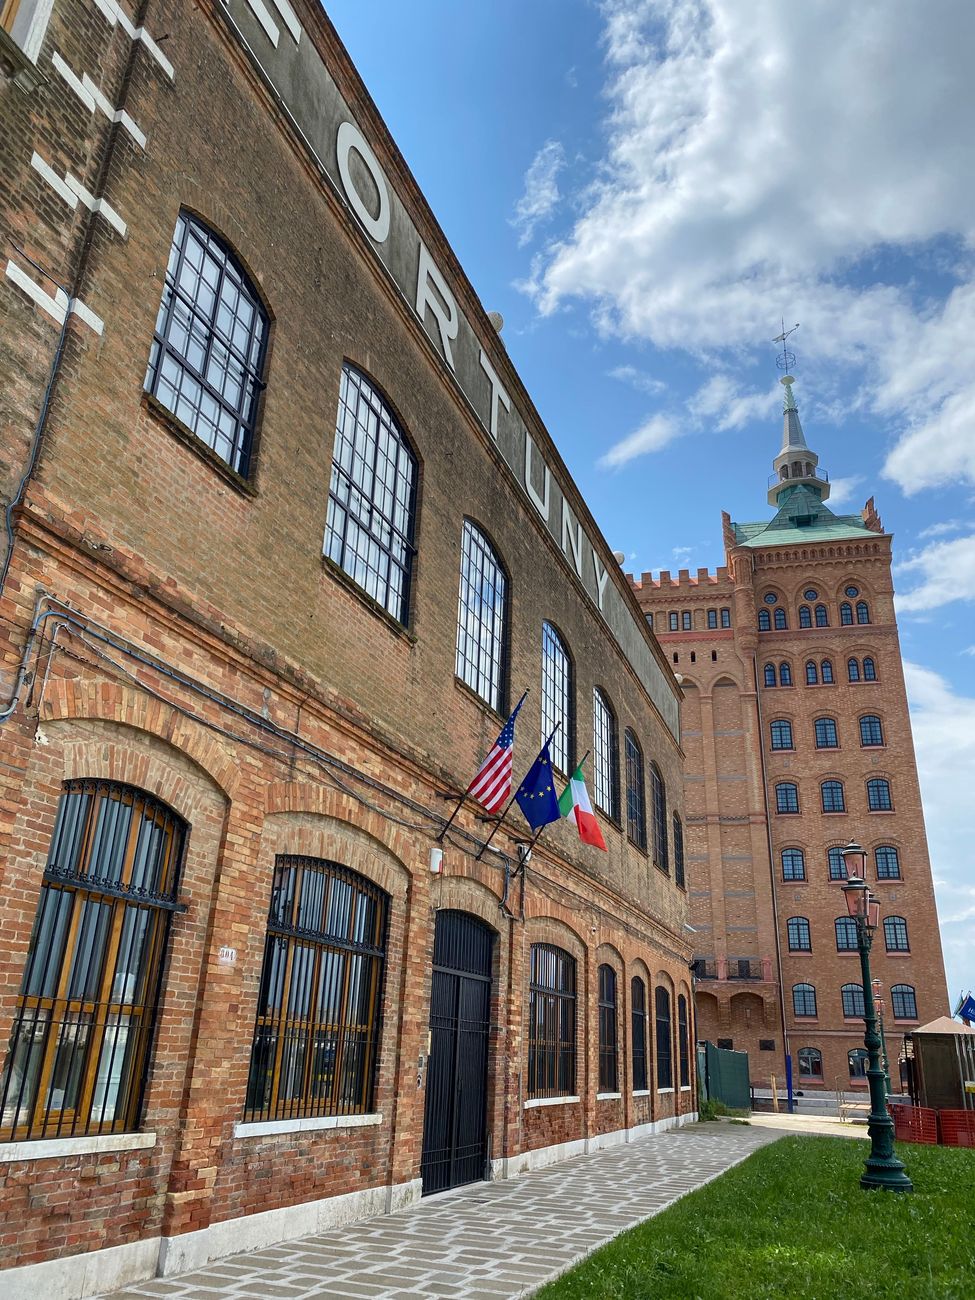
793 1222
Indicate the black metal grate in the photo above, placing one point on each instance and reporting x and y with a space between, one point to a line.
638 1010
664 1018
636 813
683 1044
608 1048
552 1023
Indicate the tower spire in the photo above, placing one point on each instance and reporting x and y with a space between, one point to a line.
795 466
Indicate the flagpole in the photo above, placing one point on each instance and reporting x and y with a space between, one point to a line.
497 825
460 801
534 838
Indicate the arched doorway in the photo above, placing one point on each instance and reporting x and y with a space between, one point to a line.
455 1122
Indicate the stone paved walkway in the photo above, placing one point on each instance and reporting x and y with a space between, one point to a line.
483 1242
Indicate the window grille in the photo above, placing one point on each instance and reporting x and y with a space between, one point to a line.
658 798
846 934
871 731
664 1015
895 934
878 795
551 1023
803 1000
83 1021
557 698
800 938
852 995
679 853
317 1033
903 1002
793 864
608 1053
482 618
206 363
605 759
638 1008
372 497
636 815
785 675
781 733
888 862
833 799
826 734
786 797
683 1045
837 863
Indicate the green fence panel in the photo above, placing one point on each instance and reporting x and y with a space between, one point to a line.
727 1077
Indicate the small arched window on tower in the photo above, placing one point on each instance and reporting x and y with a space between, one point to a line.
781 622
863 612
853 669
869 670
822 617
769 674
805 616
826 668
846 614
764 621
785 674
812 673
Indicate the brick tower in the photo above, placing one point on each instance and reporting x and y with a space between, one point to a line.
797 740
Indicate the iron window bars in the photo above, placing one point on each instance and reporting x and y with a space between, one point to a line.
551 1023
638 1016
678 831
663 1017
608 1044
316 1038
371 521
482 618
206 363
683 1046
84 1019
658 801
636 813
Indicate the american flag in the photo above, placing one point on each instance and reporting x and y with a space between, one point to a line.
492 784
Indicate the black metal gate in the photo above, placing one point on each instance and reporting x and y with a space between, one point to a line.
455 1125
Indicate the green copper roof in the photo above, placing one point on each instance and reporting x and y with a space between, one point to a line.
802 518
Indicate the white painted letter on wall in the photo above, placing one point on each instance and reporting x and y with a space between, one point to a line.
350 137
441 304
497 392
571 533
541 503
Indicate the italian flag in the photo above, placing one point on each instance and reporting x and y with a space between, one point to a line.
575 799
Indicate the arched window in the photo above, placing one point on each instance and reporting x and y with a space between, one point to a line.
712 619
833 800
822 617
803 1000
206 364
781 732
826 736
903 1001
687 620
846 934
859 1059
785 674
482 615
764 621
638 1018
662 1006
871 732
853 670
769 674
812 673
810 1063
606 782
781 622
793 864
726 618
673 621
846 614
372 497
895 934
800 937
636 812
551 1023
557 698
869 670
678 852
888 863
316 1037
863 612
878 795
83 1021
826 670
683 1044
608 1054
837 863
852 995
805 616
658 801
649 618
787 797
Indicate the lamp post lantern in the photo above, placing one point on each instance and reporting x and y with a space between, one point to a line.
882 1168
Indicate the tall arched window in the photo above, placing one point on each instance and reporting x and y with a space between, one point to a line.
678 831
822 617
863 612
372 497
793 864
826 670
662 1006
608 1051
803 1000
606 784
82 1028
810 1063
853 670
551 1022
785 674
481 619
833 798
846 934
812 673
764 621
903 1001
636 812
781 622
787 797
869 670
895 934
638 1034
846 614
871 730
206 363
683 1042
888 863
557 698
316 1039
805 616
769 674
826 734
878 795
852 995
658 800
781 734
800 937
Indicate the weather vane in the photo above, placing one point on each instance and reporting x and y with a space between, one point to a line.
786 359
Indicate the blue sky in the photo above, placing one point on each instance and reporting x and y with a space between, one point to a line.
643 188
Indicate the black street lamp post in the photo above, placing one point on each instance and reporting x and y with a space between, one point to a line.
882 1168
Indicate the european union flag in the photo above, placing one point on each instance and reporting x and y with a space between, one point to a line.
536 795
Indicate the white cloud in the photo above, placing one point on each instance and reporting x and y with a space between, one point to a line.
653 434
638 379
946 571
720 404
843 490
942 529
944 736
760 157
541 190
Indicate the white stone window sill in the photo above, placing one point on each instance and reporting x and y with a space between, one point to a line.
549 1101
96 1144
685 1087
661 1091
641 1092
271 1127
608 1096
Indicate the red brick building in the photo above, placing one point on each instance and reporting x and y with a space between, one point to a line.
288 542
797 739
